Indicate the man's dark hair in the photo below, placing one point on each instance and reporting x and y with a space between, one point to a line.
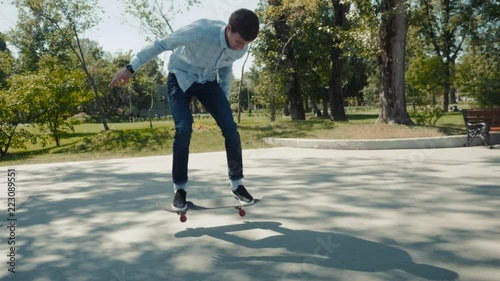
246 23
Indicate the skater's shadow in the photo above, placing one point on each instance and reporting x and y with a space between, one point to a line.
329 250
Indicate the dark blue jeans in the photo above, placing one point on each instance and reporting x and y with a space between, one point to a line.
212 98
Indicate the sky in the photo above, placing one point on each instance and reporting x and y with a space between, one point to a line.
116 32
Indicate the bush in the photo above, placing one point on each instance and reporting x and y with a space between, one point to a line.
427 115
137 140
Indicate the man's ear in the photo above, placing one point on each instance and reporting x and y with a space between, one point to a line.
229 28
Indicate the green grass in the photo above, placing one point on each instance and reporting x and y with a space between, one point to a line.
90 141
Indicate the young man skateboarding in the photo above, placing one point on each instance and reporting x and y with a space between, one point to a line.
201 67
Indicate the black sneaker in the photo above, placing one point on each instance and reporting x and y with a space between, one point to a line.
179 203
243 196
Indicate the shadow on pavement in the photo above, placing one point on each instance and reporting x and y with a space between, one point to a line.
329 250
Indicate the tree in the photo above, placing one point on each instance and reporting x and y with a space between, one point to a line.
155 17
34 37
268 91
144 86
315 69
478 71
52 95
391 58
276 50
12 112
11 117
289 58
6 62
134 97
424 81
478 76
446 25
356 76
69 19
336 57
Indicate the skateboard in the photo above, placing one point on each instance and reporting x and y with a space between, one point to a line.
209 204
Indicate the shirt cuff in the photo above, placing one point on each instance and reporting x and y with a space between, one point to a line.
135 63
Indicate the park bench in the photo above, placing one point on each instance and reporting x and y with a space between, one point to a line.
480 122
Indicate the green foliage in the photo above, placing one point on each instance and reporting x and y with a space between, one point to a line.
138 93
425 76
371 91
51 27
426 114
7 62
469 32
355 78
155 17
144 86
267 93
119 140
52 95
284 56
11 116
445 24
478 76
65 20
12 135
444 27
424 82
312 34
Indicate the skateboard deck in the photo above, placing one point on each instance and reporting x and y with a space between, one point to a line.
209 204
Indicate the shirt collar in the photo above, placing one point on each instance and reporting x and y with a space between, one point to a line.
223 41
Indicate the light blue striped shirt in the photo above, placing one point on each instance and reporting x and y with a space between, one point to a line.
200 54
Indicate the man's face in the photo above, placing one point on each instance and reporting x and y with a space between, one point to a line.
234 40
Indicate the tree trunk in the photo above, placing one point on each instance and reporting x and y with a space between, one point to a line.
336 96
79 53
447 87
295 102
93 85
149 111
7 143
335 91
294 95
391 58
453 90
453 95
325 97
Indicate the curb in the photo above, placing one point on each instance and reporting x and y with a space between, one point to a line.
366 144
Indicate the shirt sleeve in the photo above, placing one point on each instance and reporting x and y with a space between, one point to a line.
226 76
182 37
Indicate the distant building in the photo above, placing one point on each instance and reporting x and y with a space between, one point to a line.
161 106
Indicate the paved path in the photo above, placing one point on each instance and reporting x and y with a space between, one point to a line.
328 215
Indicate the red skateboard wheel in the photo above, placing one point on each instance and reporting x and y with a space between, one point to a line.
242 213
183 218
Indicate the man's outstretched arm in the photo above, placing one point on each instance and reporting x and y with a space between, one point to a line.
182 37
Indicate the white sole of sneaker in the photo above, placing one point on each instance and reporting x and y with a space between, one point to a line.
179 209
243 203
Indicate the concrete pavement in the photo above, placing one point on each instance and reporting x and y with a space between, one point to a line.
413 214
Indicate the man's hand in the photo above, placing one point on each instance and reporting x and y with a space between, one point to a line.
121 78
